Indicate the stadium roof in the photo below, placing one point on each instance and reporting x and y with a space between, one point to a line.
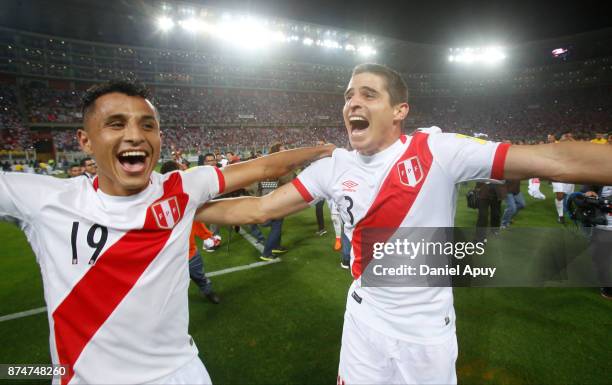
417 32
442 21
445 22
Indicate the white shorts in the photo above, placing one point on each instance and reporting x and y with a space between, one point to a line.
370 357
567 188
192 372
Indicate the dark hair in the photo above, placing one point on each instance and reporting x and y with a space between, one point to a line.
84 160
124 86
396 87
168 166
275 147
209 154
75 165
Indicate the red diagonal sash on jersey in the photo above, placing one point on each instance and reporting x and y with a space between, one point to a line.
395 198
94 298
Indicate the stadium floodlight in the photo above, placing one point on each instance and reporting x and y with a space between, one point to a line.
485 55
561 53
330 44
188 10
366 50
165 23
248 33
192 24
280 37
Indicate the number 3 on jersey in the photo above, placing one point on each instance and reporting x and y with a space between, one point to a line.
349 208
91 235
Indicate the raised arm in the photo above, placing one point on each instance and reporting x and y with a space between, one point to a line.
236 211
271 166
571 162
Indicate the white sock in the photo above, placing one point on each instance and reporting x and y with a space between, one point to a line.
559 205
337 224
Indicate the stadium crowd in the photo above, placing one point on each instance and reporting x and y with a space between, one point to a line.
197 120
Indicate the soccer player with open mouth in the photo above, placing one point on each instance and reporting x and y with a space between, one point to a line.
403 335
113 251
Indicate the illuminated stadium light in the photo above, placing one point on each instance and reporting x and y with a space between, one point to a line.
330 44
188 11
485 55
192 24
165 23
560 53
249 32
366 50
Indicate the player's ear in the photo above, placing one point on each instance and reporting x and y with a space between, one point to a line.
84 141
400 111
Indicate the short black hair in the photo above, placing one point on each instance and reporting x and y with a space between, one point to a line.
396 86
168 166
84 160
128 87
209 154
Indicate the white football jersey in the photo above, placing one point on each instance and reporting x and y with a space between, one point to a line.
412 183
114 269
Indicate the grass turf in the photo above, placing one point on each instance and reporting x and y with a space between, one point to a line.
282 323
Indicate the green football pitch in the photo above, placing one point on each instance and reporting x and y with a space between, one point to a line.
282 323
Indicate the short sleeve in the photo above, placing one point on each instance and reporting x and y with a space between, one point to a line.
19 193
313 182
203 183
466 158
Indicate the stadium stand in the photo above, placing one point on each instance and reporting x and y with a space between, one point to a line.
208 101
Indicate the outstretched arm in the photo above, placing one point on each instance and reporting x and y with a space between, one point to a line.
236 211
572 162
271 166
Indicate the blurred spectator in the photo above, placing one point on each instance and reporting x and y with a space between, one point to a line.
89 167
75 170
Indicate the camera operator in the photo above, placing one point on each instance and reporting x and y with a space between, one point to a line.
601 240
490 196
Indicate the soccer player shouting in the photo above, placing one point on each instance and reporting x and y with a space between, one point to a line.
403 334
113 253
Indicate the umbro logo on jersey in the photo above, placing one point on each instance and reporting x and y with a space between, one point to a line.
167 213
410 171
349 185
